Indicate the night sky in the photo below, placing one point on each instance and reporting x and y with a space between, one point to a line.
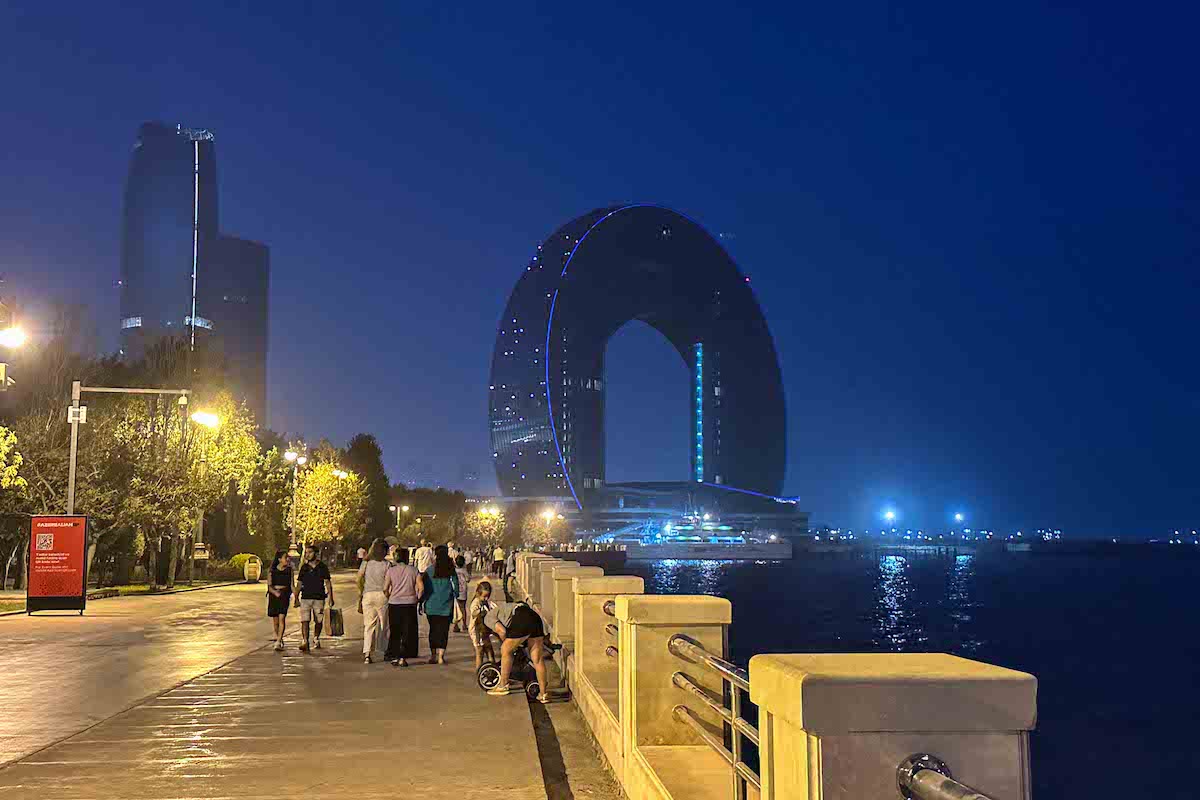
972 229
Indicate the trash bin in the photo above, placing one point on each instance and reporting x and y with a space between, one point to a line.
253 569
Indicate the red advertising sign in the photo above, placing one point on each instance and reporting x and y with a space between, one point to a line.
57 563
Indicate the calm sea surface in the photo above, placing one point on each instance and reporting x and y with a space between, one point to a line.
1113 640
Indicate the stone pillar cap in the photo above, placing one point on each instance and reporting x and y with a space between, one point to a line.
890 692
567 573
663 609
609 584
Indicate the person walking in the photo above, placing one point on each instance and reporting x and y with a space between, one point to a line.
498 562
423 558
460 600
510 566
439 586
314 586
481 637
400 586
372 602
469 561
279 594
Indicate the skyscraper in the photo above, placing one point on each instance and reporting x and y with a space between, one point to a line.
587 279
170 226
179 275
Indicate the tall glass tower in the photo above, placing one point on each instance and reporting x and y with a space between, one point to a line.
169 231
179 275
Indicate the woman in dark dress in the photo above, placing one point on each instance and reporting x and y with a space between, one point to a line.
279 594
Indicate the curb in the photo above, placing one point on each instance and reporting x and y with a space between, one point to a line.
145 594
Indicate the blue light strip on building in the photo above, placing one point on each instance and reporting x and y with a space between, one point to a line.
699 350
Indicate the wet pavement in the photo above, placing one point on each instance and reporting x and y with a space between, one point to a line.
189 701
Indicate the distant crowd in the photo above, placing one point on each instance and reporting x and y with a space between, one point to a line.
396 584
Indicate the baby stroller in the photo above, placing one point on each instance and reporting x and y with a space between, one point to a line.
522 670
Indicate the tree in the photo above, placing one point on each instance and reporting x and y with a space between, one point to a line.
10 462
364 457
328 506
485 526
268 507
544 528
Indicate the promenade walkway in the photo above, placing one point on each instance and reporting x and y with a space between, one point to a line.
318 724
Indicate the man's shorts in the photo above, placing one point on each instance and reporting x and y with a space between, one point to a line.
525 622
309 608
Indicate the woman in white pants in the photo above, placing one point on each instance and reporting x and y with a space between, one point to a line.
372 601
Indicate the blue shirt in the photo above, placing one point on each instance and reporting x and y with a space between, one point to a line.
443 591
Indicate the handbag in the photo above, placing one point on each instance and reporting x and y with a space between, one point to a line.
337 626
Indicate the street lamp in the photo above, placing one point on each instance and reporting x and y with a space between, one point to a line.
889 515
207 419
297 460
211 421
13 337
398 511
958 517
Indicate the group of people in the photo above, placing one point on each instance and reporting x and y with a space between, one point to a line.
393 593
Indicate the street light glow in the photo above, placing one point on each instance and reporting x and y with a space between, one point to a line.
206 418
13 337
404 509
548 515
889 515
291 455
958 517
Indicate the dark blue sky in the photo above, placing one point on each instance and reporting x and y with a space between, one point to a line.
973 230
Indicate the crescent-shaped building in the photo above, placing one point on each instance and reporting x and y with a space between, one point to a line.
585 281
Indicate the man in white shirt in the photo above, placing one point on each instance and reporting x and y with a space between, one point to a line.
424 557
452 551
469 559
498 561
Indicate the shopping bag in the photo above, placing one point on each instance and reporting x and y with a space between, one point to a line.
337 627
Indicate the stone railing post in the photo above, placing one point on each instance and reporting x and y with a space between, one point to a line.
546 587
594 676
661 753
837 727
533 576
563 631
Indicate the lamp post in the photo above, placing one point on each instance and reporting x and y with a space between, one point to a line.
398 510
297 460
211 421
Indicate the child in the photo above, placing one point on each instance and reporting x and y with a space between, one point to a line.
460 602
481 637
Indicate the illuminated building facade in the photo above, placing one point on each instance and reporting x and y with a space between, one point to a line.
179 275
585 281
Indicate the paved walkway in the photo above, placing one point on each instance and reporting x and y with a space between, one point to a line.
270 725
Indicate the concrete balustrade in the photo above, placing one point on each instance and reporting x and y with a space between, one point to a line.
664 759
830 727
594 676
525 571
534 587
546 591
835 727
564 601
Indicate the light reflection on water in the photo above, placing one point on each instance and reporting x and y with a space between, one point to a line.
688 576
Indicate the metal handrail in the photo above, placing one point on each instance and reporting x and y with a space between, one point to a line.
610 607
684 714
611 651
611 629
688 648
688 685
926 777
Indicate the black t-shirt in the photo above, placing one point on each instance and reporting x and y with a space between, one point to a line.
312 580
